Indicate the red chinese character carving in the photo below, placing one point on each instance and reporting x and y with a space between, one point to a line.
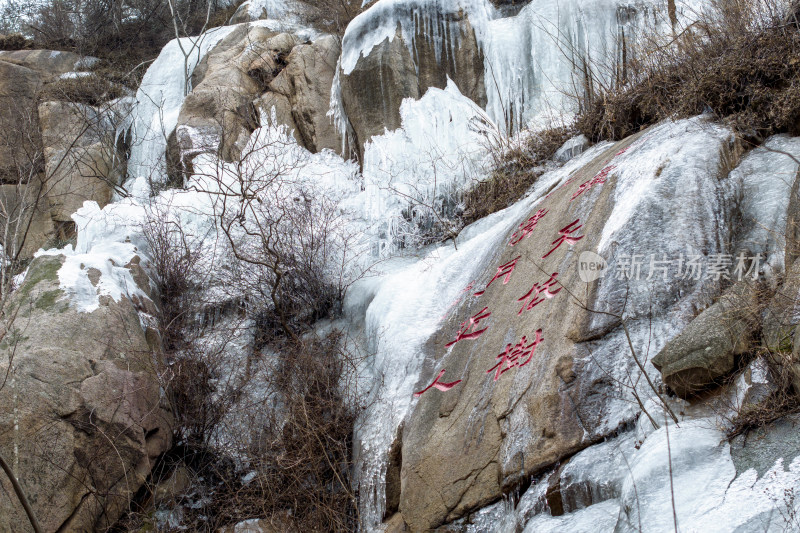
458 299
503 270
519 356
438 385
599 179
526 227
470 324
632 145
565 233
570 180
539 293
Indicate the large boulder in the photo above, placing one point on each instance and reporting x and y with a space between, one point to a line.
81 158
50 63
23 73
303 89
53 155
373 91
423 51
218 114
469 424
25 223
19 123
251 74
84 415
709 348
528 385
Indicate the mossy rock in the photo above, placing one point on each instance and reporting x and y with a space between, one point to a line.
40 288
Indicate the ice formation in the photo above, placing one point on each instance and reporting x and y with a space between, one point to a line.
380 22
536 60
533 60
158 103
429 162
765 177
160 96
414 176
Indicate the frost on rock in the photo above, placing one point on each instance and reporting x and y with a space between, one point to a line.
403 309
498 518
600 517
103 245
285 10
700 477
595 474
533 60
438 18
669 203
536 59
161 94
701 467
685 468
108 238
765 178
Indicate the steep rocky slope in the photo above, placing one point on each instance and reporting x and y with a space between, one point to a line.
578 361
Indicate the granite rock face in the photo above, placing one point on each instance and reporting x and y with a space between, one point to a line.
255 75
707 349
84 413
540 355
217 114
394 70
302 91
54 155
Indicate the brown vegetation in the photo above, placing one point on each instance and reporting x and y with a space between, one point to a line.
515 169
265 406
91 90
15 41
740 63
781 401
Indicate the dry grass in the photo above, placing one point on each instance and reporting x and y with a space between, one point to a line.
293 465
302 456
515 170
91 90
783 400
15 41
739 63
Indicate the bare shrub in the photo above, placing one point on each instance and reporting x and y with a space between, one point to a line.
91 89
515 170
174 257
298 460
264 407
736 62
781 401
290 238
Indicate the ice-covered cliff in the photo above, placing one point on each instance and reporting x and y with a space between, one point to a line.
508 376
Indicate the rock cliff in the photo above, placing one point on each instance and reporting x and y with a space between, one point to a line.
590 358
